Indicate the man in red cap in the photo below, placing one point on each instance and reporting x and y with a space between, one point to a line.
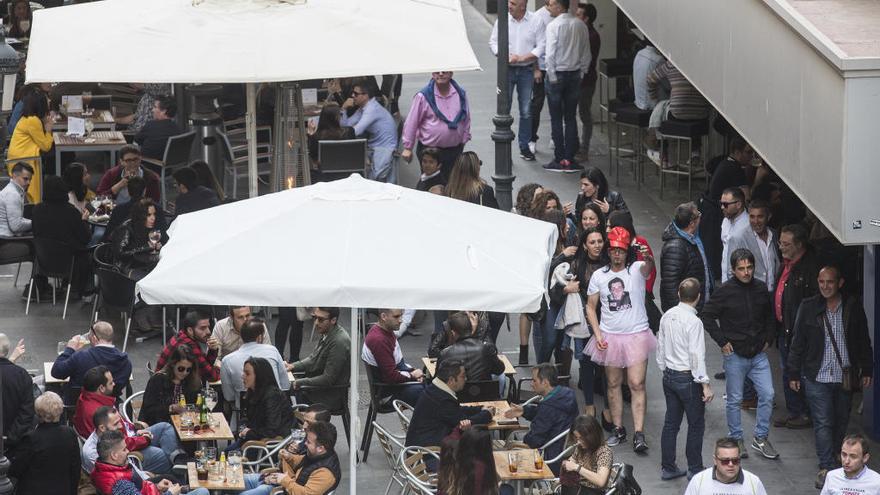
623 339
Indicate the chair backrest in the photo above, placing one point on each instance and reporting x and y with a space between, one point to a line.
478 391
127 404
413 464
178 149
226 148
404 413
391 445
101 102
117 290
103 255
54 258
560 437
344 156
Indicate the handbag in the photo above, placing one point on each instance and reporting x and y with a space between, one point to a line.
849 381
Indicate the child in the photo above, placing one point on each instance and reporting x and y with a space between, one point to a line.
431 176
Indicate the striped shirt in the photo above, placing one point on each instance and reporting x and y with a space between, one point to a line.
685 102
831 371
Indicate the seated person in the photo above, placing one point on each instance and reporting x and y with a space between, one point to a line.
18 395
154 135
231 366
480 358
76 177
328 130
438 411
589 467
312 414
76 360
12 220
228 330
268 409
179 376
432 175
551 416
327 366
196 331
113 475
48 459
114 182
134 252
443 338
106 418
315 472
191 196
382 351
122 212
158 443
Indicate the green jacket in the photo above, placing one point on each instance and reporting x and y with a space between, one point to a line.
327 366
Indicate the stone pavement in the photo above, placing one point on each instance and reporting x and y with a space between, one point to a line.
792 474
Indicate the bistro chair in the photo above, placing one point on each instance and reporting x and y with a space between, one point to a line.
236 157
404 413
127 409
379 403
267 451
55 260
392 445
116 293
178 151
102 257
18 259
343 412
561 379
415 469
338 159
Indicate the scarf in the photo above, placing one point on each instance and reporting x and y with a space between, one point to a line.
428 93
695 239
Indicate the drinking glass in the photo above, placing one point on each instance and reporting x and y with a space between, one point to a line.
186 424
61 347
233 461
211 453
155 236
298 435
539 460
512 461
191 417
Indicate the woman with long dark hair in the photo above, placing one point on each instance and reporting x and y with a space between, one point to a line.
545 336
591 216
588 469
32 137
329 129
474 470
22 19
465 182
180 376
594 189
547 200
268 410
524 198
77 176
134 252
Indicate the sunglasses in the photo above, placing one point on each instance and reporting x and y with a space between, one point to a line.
726 204
733 461
181 369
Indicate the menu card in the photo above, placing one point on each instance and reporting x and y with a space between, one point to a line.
76 126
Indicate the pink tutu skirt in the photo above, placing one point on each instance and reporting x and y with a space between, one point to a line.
624 350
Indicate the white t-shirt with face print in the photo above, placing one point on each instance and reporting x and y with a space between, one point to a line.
622 299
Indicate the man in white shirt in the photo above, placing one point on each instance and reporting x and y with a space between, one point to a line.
568 59
681 356
228 330
854 476
543 19
736 221
525 44
647 59
758 238
252 332
726 476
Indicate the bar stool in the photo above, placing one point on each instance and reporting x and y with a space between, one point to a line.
681 131
629 116
610 68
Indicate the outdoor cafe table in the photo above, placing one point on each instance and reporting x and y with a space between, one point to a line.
225 485
96 141
102 119
431 364
499 422
220 430
525 468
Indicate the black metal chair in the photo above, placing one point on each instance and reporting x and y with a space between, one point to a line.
338 159
480 391
19 259
236 156
516 393
343 412
380 403
178 151
116 293
55 260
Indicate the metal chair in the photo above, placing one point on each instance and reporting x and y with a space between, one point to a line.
56 260
18 259
178 151
126 405
117 293
517 392
404 413
343 412
479 391
237 156
412 464
341 158
379 404
392 445
269 450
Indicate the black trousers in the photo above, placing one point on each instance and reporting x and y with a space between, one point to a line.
289 329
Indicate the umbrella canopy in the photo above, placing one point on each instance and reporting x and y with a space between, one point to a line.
235 41
354 243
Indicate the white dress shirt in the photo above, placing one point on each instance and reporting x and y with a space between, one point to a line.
729 230
769 261
681 345
543 19
568 46
524 36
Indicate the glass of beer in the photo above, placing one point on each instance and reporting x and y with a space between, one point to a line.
512 461
539 460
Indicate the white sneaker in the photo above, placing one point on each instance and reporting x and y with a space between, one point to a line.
533 146
654 156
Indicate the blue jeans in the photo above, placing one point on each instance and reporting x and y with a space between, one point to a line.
562 98
737 369
522 78
830 406
550 336
794 401
254 486
683 397
158 456
384 165
586 367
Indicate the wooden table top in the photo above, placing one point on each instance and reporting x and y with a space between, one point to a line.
97 116
431 364
220 382
95 138
220 431
499 422
194 481
525 467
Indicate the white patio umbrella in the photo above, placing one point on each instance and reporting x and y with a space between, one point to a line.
359 244
245 41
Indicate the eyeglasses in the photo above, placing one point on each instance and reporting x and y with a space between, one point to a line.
181 369
733 461
132 160
319 319
726 204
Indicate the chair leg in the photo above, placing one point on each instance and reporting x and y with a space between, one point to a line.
66 300
346 423
366 426
17 272
127 328
30 291
54 299
95 307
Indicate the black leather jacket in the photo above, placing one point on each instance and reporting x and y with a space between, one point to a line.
132 251
440 340
614 199
679 259
480 358
802 283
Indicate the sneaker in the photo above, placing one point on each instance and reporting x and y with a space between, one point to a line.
554 166
782 422
762 445
618 436
527 155
654 156
606 425
720 376
533 146
639 443
820 479
743 453
671 474
576 167
799 423
691 474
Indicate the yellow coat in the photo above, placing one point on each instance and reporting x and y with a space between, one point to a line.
29 139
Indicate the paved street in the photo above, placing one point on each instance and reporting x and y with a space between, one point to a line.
792 474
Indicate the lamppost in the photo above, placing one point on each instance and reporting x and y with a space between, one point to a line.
502 135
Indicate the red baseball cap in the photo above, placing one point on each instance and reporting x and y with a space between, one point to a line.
619 238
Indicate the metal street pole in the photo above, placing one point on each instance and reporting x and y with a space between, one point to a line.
6 487
502 135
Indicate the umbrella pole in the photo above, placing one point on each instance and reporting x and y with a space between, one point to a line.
251 130
353 402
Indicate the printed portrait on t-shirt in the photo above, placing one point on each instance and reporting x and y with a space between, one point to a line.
619 299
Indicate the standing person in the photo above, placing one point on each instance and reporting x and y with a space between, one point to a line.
591 216
740 320
758 238
328 365
831 350
32 137
736 221
681 356
587 13
620 218
466 184
547 338
568 59
726 476
683 256
525 45
591 460
524 199
594 189
623 339
800 271
854 476
439 117
543 18
370 118
289 329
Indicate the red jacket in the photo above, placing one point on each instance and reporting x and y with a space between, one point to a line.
105 476
112 176
88 403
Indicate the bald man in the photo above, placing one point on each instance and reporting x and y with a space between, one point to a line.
77 359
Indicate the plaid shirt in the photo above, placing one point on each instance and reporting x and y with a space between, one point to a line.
207 370
831 371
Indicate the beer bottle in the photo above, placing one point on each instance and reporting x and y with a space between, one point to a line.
203 410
